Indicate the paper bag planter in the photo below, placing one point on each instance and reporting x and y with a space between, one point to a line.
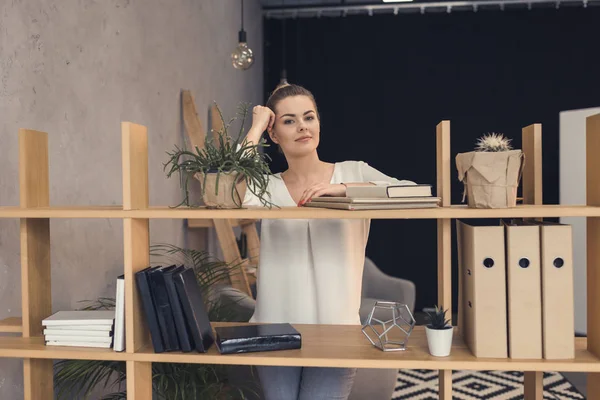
491 178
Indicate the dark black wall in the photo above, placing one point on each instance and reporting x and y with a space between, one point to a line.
383 83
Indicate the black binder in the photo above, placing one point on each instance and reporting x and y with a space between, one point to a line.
183 329
261 337
166 323
143 285
194 308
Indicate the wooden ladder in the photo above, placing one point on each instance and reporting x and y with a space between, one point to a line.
224 227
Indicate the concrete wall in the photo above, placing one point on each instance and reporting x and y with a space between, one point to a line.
76 69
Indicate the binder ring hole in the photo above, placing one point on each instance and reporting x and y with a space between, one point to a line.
558 262
488 262
524 262
470 305
468 272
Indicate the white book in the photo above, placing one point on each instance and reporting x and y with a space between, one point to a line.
386 190
77 344
376 200
357 207
119 344
88 317
64 338
87 328
73 332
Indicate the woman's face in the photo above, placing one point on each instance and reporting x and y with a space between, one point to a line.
297 128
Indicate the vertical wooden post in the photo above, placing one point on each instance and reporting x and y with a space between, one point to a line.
444 240
36 291
136 254
532 171
532 194
593 249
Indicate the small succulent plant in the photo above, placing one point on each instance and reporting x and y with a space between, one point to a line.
493 142
437 318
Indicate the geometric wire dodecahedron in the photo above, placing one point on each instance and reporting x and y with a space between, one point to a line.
401 319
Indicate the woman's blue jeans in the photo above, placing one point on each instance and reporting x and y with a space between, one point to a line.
306 383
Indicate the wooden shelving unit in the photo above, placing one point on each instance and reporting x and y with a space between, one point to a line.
323 345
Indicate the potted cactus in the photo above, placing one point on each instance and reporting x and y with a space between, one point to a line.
439 332
491 173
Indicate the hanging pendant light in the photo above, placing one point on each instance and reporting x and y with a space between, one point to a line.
242 56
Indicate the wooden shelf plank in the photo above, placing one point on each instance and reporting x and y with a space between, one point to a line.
323 346
454 211
64 212
34 347
346 346
11 325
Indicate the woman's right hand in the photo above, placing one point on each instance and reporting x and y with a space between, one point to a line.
263 119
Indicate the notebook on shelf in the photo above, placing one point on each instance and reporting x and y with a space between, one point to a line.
376 200
254 338
369 206
380 189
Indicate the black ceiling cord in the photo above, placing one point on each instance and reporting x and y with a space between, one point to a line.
283 46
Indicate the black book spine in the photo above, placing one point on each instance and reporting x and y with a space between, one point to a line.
149 311
253 344
163 310
194 309
183 329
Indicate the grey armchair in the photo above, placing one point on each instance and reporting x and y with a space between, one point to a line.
372 384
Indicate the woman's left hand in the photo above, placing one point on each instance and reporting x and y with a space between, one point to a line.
322 189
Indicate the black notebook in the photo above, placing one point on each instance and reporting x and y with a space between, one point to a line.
253 338
145 293
162 305
194 308
183 330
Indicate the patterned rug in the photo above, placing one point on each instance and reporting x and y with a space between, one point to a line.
422 384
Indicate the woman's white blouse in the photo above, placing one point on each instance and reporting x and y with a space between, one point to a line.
310 270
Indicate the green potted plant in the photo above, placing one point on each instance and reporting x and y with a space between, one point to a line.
439 332
172 381
225 167
491 173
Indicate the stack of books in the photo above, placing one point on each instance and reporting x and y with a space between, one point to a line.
177 318
93 328
379 196
174 309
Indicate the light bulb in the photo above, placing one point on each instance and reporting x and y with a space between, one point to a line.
242 56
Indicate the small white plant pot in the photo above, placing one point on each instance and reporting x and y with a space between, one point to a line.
439 341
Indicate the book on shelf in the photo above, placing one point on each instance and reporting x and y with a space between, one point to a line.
347 203
86 328
194 309
176 314
81 317
172 293
78 344
382 200
79 332
259 337
143 285
379 196
119 342
381 189
162 305
182 327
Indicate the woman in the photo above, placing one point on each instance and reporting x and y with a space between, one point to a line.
310 270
